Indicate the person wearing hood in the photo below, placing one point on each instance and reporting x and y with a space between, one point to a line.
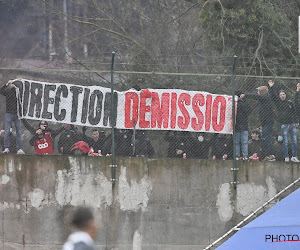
69 136
180 144
266 117
287 119
83 220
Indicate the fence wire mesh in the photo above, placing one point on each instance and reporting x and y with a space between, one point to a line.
177 141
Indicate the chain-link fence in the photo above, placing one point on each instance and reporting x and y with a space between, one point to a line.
159 115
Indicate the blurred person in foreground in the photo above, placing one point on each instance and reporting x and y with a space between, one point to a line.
266 117
83 220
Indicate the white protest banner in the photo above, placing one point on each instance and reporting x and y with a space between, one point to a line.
155 109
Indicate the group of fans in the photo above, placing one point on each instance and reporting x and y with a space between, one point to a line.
73 142
261 146
288 113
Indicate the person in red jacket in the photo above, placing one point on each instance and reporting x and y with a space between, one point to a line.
42 143
42 139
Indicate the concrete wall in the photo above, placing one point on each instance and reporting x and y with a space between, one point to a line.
156 204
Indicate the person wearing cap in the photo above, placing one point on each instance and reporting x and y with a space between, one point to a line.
266 117
241 127
287 119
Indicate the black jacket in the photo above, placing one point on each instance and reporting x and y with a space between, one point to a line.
266 113
255 147
297 104
11 99
123 143
179 141
243 111
32 130
96 145
220 145
286 108
67 140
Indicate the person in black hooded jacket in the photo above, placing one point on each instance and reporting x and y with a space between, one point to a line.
69 136
287 119
180 144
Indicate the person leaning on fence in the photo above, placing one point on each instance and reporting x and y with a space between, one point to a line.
221 147
9 90
143 146
123 143
287 119
97 141
255 145
266 117
83 220
69 136
241 127
180 144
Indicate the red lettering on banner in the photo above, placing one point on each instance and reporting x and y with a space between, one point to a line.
208 112
131 97
198 100
183 122
160 113
215 113
144 109
173 110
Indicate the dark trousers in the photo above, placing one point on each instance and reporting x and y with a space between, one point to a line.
267 132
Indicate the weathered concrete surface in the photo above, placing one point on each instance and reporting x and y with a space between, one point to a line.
156 204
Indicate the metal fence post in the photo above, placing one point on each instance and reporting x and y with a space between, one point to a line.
234 169
113 159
